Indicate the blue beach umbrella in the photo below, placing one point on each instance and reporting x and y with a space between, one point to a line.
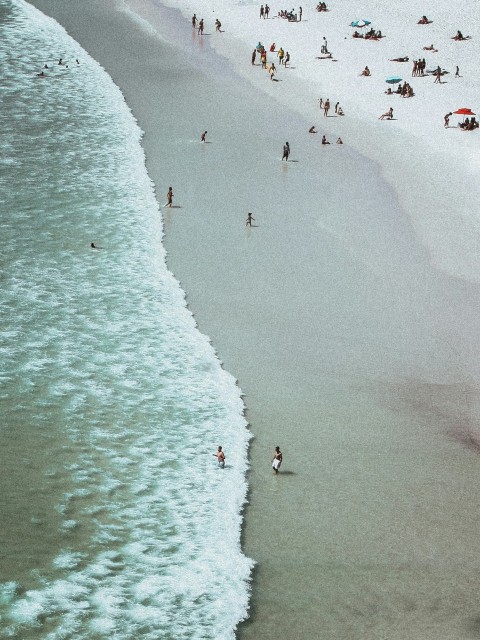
360 23
393 80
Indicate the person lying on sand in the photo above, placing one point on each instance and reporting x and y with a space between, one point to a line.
404 59
460 36
430 48
312 129
388 114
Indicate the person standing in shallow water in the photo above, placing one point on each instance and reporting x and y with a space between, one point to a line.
200 27
277 460
194 20
286 151
203 137
220 458
169 197
249 220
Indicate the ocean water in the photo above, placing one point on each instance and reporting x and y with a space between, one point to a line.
115 520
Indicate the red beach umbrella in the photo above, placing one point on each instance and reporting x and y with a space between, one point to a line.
464 112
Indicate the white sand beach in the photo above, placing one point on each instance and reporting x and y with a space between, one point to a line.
348 313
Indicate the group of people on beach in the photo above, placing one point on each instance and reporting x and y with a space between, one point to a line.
369 35
291 16
199 25
276 460
264 11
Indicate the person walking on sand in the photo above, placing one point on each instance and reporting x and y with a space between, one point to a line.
300 11
287 59
203 137
262 11
194 20
326 107
267 11
277 460
200 27
218 25
457 72
254 55
286 151
249 220
220 458
169 197
272 71
320 103
446 119
324 48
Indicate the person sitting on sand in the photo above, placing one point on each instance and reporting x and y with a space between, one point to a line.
339 140
324 140
312 129
366 72
388 114
355 34
460 36
389 91
340 111
424 20
430 48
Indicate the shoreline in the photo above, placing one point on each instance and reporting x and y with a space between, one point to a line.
321 315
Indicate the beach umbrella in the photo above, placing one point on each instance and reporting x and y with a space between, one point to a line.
393 80
360 23
464 112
